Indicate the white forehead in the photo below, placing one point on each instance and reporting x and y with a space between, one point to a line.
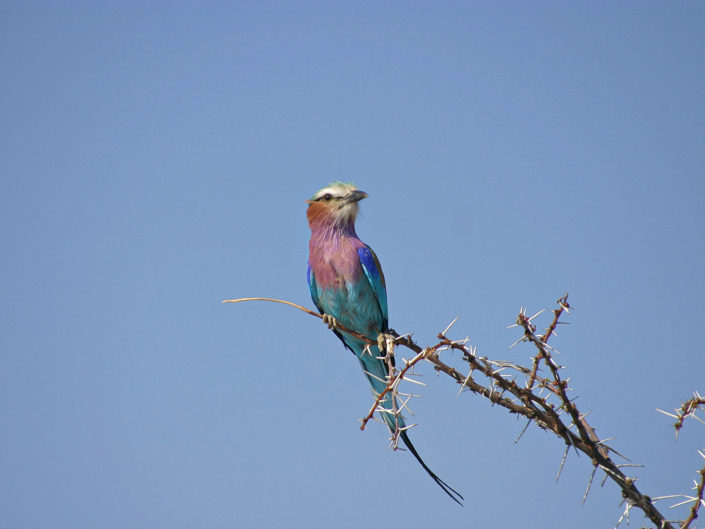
336 189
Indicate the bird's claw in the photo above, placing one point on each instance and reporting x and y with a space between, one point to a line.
385 342
330 321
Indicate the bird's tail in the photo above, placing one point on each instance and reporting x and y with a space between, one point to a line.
376 371
450 491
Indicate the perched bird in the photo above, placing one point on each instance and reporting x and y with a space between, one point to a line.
348 288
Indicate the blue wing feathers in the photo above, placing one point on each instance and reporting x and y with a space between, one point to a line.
313 289
373 273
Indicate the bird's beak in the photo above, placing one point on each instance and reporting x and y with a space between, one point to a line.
355 196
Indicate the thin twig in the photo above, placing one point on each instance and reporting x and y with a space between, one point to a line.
339 326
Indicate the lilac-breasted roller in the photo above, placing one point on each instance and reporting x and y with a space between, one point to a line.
347 284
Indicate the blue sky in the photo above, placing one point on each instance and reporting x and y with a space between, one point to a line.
156 159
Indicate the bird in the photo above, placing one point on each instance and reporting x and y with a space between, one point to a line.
348 288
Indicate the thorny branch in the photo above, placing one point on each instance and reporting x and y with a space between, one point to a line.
393 384
697 499
689 409
554 412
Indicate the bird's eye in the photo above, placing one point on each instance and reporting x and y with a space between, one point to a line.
327 196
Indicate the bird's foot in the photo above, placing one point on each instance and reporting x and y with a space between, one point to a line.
385 343
330 321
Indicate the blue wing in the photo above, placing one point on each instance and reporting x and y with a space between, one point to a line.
314 289
373 272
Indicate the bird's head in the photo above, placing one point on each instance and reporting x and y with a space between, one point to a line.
334 206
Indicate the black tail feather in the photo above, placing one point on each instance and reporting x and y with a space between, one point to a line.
450 491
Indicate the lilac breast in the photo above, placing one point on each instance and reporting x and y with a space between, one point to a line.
335 261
